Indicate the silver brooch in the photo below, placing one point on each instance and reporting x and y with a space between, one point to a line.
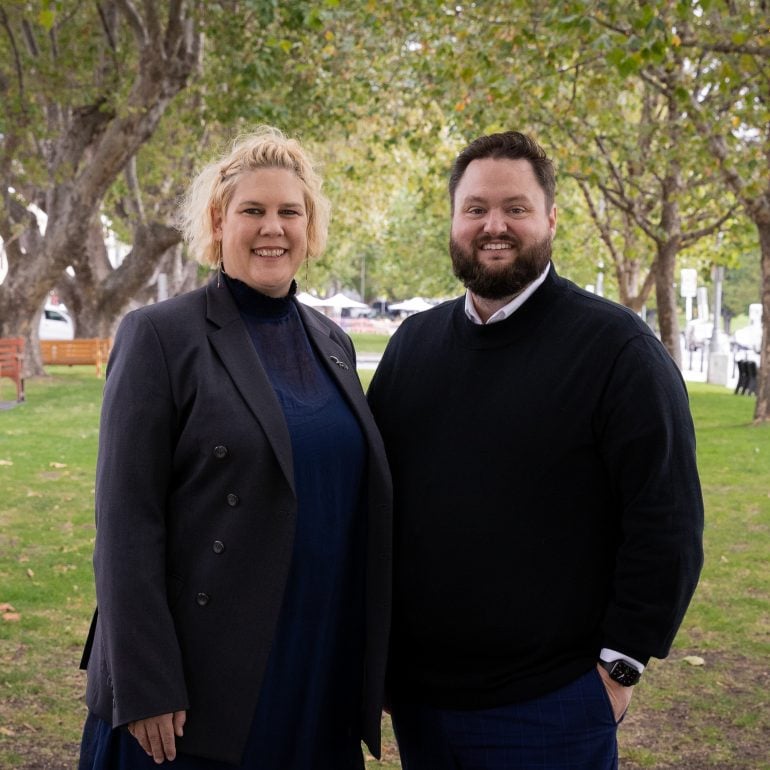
339 363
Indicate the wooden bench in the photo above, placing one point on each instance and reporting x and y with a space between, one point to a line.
88 351
11 360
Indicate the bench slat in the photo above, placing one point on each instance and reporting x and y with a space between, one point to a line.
93 350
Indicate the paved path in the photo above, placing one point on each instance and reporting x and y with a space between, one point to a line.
693 368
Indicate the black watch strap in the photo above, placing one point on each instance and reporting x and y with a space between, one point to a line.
622 672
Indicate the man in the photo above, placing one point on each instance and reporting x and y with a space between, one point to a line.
548 513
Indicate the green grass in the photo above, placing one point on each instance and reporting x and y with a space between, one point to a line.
47 452
716 715
365 375
370 343
710 716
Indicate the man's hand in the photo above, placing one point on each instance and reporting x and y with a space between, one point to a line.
620 696
156 735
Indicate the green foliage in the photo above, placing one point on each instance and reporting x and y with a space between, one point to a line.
386 93
741 287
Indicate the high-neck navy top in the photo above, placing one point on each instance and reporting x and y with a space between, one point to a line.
307 712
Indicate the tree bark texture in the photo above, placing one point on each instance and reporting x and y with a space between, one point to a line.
665 293
762 409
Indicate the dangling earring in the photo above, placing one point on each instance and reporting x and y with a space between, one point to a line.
307 272
220 266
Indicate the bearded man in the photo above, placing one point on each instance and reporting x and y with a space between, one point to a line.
548 513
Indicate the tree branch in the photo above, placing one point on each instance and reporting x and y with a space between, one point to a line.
106 27
135 197
152 24
135 22
30 38
175 28
763 51
16 59
694 235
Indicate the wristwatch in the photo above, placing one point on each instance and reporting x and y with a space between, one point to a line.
621 672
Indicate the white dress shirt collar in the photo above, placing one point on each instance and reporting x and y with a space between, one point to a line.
507 310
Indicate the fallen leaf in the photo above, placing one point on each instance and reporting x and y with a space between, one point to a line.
5 607
7 731
11 617
30 573
6 462
694 660
57 465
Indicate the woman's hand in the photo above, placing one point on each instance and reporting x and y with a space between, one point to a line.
620 696
156 735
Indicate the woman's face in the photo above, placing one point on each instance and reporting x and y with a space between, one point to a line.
264 230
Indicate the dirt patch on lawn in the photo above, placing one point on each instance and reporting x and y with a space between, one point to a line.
683 717
710 717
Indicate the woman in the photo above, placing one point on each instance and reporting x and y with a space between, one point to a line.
242 553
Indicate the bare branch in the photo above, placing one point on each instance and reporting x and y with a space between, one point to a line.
175 29
625 31
714 227
29 36
629 207
135 192
615 173
108 31
763 51
54 43
135 22
153 25
604 230
16 59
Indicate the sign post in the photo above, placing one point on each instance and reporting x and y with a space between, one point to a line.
688 289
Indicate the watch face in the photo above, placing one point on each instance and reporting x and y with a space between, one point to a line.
623 673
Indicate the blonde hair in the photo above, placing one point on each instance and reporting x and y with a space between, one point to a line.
212 190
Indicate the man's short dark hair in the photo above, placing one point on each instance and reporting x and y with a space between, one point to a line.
512 145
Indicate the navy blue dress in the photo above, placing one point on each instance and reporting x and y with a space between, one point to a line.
307 714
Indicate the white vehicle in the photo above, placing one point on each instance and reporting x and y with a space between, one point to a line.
55 324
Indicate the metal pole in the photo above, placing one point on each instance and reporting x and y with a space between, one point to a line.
363 276
715 344
719 358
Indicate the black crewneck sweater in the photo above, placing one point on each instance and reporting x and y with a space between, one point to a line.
547 502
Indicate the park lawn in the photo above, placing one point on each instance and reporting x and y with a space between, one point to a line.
369 342
710 716
47 453
716 715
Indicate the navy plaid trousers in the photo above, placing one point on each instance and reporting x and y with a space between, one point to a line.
570 729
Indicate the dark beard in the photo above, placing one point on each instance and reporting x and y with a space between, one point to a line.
500 282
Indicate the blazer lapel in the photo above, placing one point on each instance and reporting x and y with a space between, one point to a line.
337 360
231 342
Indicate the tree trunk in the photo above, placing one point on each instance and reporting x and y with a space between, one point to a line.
665 293
762 410
628 274
88 147
99 294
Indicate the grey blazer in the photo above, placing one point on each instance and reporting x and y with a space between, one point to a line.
195 517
